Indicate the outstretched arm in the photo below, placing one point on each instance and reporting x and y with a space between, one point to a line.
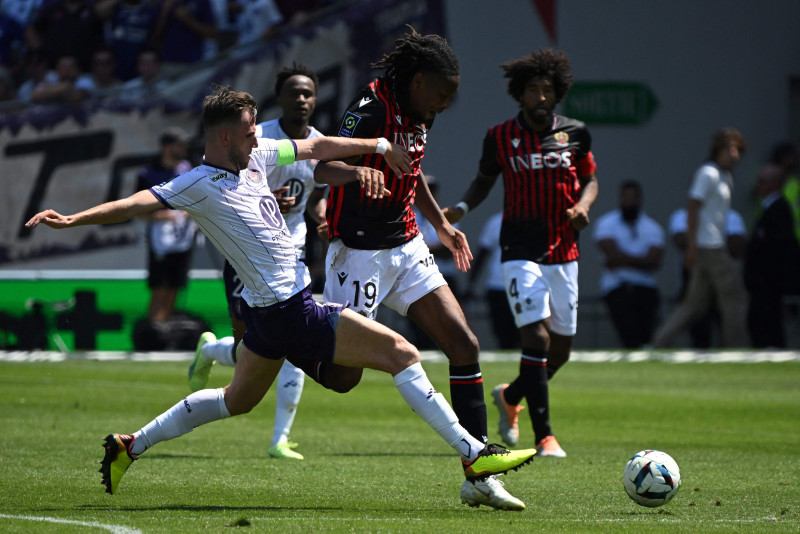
338 173
111 212
333 148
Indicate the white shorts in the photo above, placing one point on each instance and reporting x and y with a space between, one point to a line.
397 277
536 292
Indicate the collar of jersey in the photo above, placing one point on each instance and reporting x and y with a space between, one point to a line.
223 169
525 126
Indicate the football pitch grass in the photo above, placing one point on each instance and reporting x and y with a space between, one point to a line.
372 466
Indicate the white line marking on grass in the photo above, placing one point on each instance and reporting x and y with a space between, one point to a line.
591 356
116 529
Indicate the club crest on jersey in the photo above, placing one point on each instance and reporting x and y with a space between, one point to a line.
253 175
562 138
349 124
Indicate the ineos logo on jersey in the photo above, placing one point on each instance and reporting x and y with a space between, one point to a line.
411 141
551 160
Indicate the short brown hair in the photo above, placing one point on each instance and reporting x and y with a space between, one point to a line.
722 138
225 106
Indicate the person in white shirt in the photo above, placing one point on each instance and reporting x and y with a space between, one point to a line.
702 332
232 204
66 84
715 275
297 193
632 245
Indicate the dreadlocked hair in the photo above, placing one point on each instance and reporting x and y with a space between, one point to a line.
297 69
553 64
415 53
225 106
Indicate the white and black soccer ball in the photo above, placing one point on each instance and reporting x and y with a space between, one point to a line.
651 478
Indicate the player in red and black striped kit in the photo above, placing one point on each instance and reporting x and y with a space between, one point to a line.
550 183
376 252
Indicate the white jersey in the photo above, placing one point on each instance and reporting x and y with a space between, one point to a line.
226 205
299 176
712 186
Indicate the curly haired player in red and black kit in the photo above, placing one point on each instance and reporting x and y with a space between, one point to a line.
377 253
550 183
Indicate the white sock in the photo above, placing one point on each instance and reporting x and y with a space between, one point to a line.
419 394
197 409
289 389
220 350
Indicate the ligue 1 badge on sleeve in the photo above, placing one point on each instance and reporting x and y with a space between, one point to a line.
253 175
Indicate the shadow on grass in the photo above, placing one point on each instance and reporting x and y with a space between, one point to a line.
204 508
391 454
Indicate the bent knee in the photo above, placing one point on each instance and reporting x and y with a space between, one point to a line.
236 404
462 349
341 379
404 354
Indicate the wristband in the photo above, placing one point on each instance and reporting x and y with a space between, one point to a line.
383 145
463 206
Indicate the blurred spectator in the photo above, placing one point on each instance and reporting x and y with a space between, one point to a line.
170 233
7 89
488 257
12 43
129 28
22 11
715 275
702 331
258 20
784 155
67 27
297 11
633 245
181 31
772 264
149 82
103 65
36 70
226 15
67 85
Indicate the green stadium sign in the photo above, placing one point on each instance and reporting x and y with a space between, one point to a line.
628 103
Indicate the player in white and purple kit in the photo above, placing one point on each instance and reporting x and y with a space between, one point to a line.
296 192
232 204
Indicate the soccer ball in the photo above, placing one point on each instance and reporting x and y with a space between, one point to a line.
651 478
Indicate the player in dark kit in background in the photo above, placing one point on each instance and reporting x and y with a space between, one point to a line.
377 253
550 184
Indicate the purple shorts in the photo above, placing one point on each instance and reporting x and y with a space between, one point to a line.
299 328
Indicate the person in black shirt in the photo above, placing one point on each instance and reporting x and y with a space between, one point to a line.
550 184
376 252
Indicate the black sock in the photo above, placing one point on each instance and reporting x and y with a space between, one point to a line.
466 395
532 385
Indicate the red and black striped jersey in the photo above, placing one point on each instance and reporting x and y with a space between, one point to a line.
366 223
541 172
